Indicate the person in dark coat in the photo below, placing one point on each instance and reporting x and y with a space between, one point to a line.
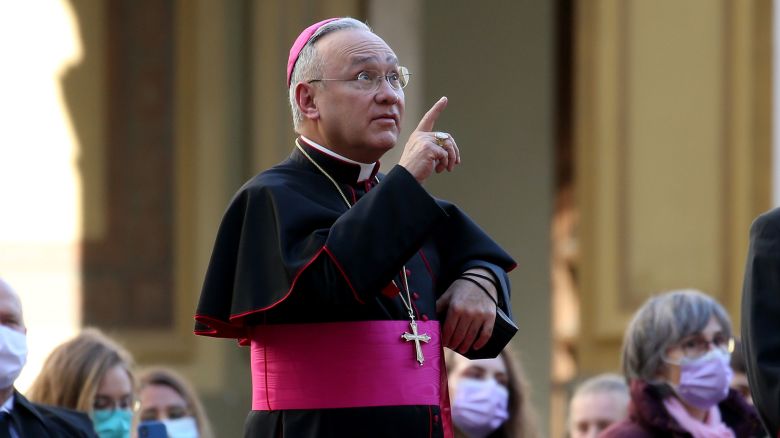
18 416
675 357
761 318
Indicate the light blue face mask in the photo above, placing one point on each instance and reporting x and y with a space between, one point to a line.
112 423
185 427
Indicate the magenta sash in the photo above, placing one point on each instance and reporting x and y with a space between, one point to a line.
343 365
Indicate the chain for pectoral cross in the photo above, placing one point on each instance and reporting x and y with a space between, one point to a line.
413 336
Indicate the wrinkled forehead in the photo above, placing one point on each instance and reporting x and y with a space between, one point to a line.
355 47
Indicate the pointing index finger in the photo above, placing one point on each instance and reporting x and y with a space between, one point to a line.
429 119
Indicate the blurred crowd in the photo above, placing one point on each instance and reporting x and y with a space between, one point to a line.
89 386
683 375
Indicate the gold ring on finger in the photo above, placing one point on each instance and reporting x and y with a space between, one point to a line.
441 138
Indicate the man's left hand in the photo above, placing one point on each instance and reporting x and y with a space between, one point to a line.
470 314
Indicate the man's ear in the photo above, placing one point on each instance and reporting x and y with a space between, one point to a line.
304 98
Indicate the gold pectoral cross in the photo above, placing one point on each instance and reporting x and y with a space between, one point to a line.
416 338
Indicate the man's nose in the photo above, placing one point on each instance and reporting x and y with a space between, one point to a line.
386 93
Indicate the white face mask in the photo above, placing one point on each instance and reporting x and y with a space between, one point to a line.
13 355
184 427
480 406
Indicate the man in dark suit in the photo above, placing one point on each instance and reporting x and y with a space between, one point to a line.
761 318
20 418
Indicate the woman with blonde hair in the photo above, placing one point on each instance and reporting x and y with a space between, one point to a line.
90 373
490 397
165 396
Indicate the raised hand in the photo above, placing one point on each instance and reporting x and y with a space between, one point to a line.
424 153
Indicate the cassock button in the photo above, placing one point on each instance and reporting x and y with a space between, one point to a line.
424 317
408 271
391 290
415 295
436 419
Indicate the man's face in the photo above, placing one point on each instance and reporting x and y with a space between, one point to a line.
10 309
359 124
590 413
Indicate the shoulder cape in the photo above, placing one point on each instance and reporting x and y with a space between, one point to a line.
285 219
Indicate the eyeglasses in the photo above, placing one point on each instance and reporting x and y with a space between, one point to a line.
369 80
697 346
110 403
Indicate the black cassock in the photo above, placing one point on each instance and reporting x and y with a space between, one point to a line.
289 250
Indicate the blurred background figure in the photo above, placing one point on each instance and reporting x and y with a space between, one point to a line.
596 404
739 382
165 396
676 353
19 417
90 373
490 397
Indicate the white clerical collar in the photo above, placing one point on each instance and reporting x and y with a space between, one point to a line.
366 170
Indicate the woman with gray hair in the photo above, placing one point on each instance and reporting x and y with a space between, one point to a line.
676 359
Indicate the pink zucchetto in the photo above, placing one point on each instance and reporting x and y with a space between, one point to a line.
300 43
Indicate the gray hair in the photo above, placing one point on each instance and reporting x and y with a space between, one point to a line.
607 382
662 322
309 63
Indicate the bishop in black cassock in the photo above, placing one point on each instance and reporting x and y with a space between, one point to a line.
322 244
